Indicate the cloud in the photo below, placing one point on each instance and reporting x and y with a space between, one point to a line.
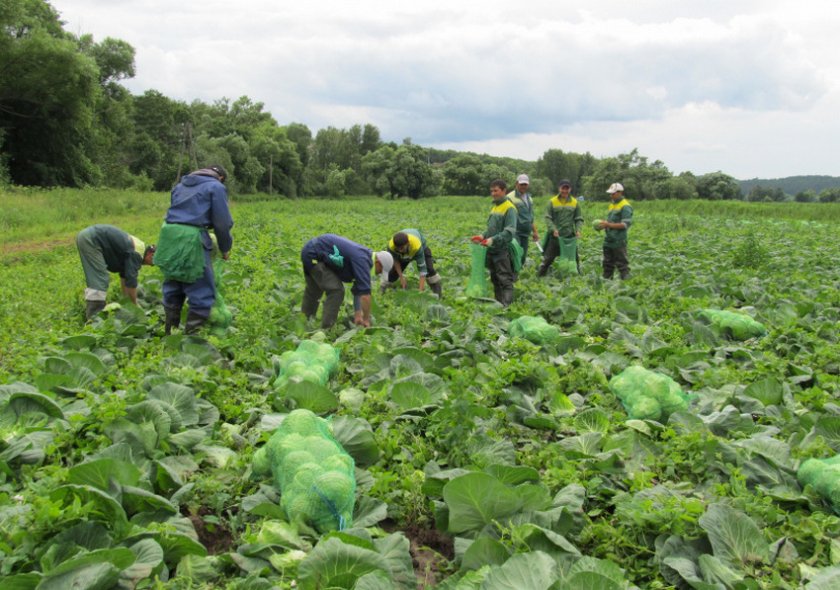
450 73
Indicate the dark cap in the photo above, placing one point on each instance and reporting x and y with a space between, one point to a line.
564 182
218 169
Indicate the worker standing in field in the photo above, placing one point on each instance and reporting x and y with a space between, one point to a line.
198 203
619 218
105 249
498 239
526 229
564 220
329 261
406 246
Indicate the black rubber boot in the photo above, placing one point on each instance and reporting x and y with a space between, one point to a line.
173 319
435 287
194 322
92 308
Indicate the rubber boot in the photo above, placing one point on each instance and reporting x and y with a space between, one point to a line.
173 319
194 322
92 308
435 287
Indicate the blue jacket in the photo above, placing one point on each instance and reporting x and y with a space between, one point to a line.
358 260
202 201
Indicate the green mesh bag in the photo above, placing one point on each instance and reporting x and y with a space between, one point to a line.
477 286
314 474
220 316
824 476
731 324
535 329
647 395
313 361
516 252
180 253
566 262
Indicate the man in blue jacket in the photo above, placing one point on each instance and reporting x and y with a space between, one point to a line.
199 202
329 261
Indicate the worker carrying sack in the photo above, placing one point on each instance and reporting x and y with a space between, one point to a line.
180 253
314 474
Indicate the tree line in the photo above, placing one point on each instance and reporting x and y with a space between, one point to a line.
65 120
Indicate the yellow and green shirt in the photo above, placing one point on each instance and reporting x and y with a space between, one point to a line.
620 212
416 249
501 225
564 216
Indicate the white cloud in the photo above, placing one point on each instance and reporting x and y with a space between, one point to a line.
613 76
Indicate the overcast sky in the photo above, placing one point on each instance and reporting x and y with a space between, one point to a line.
749 87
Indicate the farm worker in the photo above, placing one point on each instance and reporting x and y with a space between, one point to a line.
105 249
501 231
526 229
328 262
619 218
198 203
406 246
564 220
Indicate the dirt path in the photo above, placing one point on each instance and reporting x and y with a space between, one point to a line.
14 251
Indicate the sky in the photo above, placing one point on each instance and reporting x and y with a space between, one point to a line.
748 87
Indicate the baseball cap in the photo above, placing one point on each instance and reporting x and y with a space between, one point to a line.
523 179
615 187
387 261
564 182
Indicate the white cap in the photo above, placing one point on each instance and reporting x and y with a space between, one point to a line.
387 261
523 179
615 187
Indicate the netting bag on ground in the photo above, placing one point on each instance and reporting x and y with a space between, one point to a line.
315 475
180 254
312 361
566 262
535 329
732 324
824 476
647 395
477 286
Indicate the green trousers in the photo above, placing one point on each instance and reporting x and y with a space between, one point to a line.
97 276
321 279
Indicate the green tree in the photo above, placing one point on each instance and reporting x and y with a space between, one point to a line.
48 92
376 167
760 193
717 186
830 195
639 176
462 175
807 196
676 187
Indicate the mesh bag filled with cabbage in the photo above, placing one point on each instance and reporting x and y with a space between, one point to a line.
314 474
566 262
312 361
732 324
824 476
535 329
477 285
647 395
220 316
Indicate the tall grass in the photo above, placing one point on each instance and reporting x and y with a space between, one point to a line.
30 214
822 212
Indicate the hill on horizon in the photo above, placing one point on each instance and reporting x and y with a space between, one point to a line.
792 184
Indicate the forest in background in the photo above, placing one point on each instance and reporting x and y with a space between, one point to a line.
66 120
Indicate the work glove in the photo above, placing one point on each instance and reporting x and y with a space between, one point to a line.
477 239
487 243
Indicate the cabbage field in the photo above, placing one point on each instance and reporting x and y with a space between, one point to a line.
488 454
